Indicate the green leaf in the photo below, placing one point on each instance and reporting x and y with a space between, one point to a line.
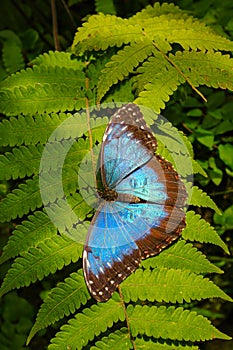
105 6
21 162
29 129
169 285
40 98
157 90
59 59
225 220
28 234
63 300
225 154
101 31
51 255
11 51
162 345
22 199
218 67
172 323
115 341
90 323
183 256
201 199
198 229
122 64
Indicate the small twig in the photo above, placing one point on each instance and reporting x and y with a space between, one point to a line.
69 13
55 27
220 193
187 128
90 134
126 318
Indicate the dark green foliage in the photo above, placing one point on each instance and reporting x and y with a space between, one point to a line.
160 56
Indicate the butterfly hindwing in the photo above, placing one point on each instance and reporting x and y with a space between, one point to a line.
111 252
157 182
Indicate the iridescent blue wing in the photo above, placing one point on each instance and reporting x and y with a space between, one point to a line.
127 144
122 233
111 252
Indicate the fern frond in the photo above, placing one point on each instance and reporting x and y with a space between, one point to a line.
122 92
115 341
21 162
29 129
29 234
206 68
197 169
198 229
158 10
63 300
190 33
68 216
148 71
169 285
164 80
41 75
199 198
51 255
143 344
102 31
171 323
21 200
183 256
59 59
90 323
123 63
40 98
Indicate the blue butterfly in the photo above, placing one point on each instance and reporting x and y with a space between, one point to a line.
142 204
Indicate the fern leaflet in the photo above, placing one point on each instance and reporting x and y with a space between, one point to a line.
51 255
115 341
64 299
198 229
28 234
201 199
183 256
90 323
172 323
122 64
169 285
143 344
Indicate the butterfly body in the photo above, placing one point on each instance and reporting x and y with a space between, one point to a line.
141 208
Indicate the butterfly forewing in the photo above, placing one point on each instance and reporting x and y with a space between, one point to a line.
146 211
127 144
